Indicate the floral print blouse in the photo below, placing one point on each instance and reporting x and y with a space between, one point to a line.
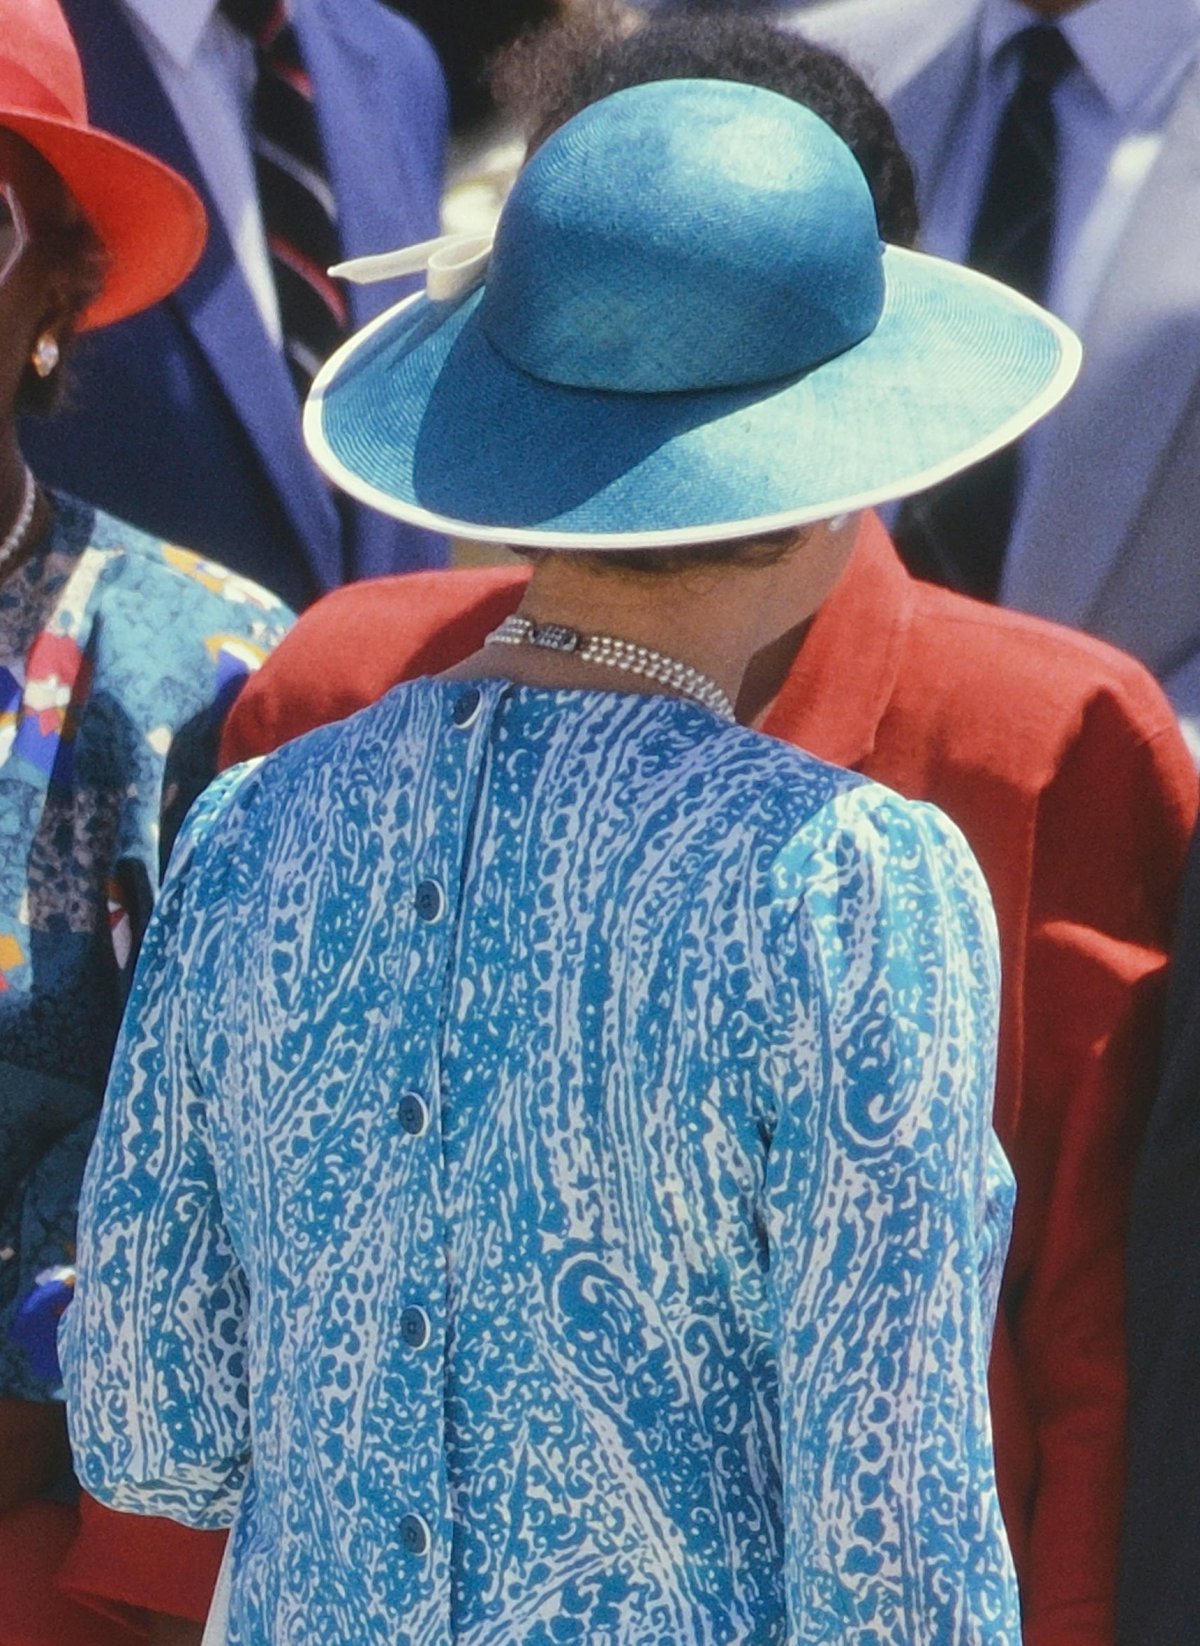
119 656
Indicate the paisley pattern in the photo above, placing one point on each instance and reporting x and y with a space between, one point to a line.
555 1126
119 657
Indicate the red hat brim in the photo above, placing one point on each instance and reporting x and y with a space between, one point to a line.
149 219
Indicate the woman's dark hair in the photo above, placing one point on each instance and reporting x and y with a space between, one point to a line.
766 550
70 252
75 248
548 76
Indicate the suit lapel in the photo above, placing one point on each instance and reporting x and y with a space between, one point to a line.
214 305
364 229
927 96
357 124
384 203
1099 452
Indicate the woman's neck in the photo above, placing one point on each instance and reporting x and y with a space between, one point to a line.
12 478
12 501
739 624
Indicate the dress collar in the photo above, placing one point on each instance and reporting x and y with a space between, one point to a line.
839 687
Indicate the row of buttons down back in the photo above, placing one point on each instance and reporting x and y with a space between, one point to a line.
414 1117
414 1329
414 1324
430 898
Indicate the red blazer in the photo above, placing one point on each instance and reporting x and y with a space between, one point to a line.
1060 760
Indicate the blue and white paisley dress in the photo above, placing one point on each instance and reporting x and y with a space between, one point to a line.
546 1192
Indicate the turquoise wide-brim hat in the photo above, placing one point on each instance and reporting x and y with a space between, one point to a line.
687 331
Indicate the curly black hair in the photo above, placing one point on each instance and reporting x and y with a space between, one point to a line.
553 73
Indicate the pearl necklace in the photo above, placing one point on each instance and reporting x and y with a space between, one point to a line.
612 653
15 540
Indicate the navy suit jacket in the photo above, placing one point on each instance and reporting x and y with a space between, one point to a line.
1159 1592
184 419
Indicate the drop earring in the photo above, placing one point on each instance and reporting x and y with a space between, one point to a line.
46 354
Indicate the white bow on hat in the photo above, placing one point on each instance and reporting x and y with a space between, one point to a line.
454 265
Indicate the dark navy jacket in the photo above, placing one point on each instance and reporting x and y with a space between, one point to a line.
184 419
1159 1595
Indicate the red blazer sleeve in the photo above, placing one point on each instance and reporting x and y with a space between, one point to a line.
1109 848
122 1565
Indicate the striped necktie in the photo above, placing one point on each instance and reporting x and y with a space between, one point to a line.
299 214
957 534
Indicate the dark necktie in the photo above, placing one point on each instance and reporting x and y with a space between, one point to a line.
957 533
298 212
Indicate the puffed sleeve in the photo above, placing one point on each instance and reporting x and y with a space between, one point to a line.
153 1346
888 1204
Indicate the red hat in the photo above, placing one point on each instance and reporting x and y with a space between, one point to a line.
149 219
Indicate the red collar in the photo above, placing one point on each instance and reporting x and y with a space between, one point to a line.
839 687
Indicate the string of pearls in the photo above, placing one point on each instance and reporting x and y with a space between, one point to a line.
611 653
13 543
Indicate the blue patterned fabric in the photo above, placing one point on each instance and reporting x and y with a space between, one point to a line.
119 657
555 1126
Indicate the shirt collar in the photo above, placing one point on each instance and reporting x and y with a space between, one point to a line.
1129 62
174 25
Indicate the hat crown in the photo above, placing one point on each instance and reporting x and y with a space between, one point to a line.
40 71
681 236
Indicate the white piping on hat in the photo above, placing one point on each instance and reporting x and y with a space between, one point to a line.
1052 391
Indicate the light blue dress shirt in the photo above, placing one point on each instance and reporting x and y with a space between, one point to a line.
546 1192
1111 109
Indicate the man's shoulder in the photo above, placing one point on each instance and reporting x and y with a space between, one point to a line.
364 26
381 17
366 47
1019 691
1047 747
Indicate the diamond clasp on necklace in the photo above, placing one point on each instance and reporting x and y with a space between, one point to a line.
555 637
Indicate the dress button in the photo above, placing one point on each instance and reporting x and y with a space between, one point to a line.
430 900
414 1327
466 707
414 1116
414 1534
